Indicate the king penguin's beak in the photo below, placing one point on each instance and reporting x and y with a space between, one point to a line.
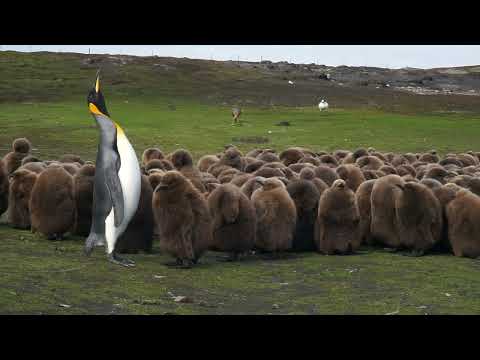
97 83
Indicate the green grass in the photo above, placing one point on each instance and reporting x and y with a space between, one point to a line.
37 275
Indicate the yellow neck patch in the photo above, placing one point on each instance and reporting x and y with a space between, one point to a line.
95 110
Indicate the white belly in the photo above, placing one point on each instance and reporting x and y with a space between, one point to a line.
130 178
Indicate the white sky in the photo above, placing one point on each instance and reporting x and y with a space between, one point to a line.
392 56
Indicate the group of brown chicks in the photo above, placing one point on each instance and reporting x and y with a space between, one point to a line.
262 201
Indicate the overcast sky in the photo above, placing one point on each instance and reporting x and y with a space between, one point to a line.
392 56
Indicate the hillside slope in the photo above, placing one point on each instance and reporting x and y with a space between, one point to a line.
47 76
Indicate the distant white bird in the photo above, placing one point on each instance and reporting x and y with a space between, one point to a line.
323 105
290 82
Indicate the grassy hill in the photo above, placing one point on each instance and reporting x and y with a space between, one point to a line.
173 103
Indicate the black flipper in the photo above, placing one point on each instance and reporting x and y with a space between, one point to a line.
116 193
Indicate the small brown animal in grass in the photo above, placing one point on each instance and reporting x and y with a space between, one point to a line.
291 156
276 216
352 175
305 196
328 175
21 185
206 161
463 213
83 197
337 228
384 229
13 160
233 220
363 198
150 154
236 112
183 218
52 206
419 218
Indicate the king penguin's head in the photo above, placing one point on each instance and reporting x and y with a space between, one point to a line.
95 99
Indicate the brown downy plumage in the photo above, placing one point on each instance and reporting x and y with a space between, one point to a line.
337 227
52 207
21 185
83 197
276 216
233 220
183 218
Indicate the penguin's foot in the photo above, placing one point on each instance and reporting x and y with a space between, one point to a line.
113 258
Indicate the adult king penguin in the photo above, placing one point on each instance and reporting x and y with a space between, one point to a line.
117 181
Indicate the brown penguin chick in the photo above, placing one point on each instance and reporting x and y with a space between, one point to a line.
385 192
309 174
411 157
469 170
290 156
13 160
419 218
372 174
254 166
308 159
183 162
352 157
276 216
461 180
474 185
233 220
305 196
352 175
233 158
445 194
337 227
379 156
267 172
298 167
138 235
36 167
328 160
409 178
161 164
369 162
364 204
328 175
268 157
389 156
248 160
406 169
83 196
463 213
150 154
30 159
71 158
227 175
275 165
4 189
252 184
431 183
70 168
254 153
340 154
154 178
290 174
430 157
240 179
399 160
206 161
21 185
437 173
388 170
52 206
467 160
451 160
182 218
